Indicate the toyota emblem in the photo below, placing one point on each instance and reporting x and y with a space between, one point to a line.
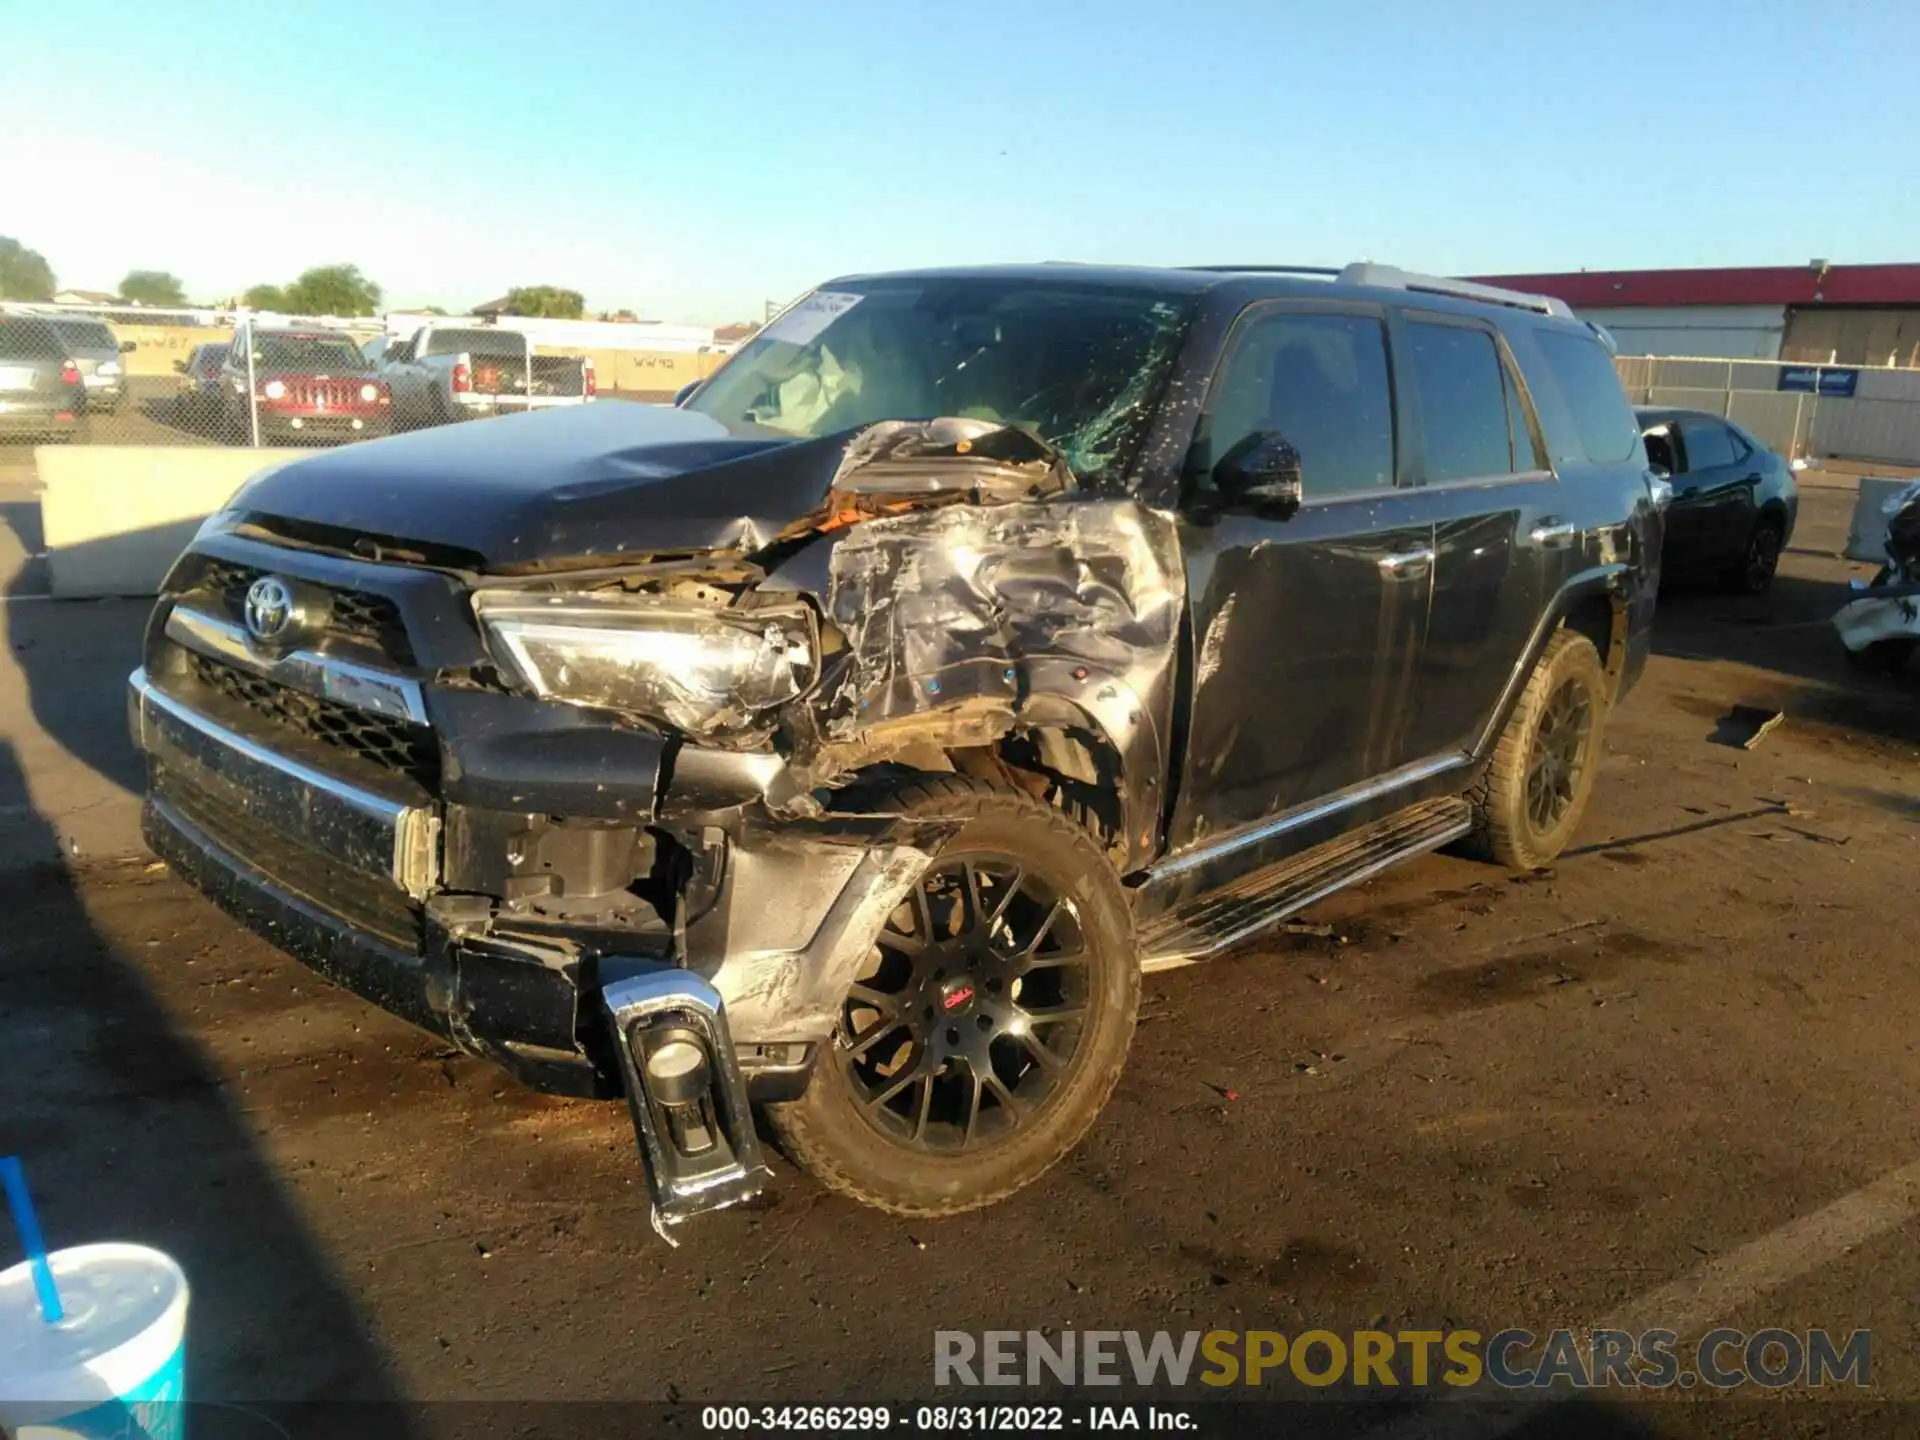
269 609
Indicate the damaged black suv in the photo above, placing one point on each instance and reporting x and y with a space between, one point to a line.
848 738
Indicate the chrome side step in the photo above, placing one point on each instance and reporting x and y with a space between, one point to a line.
1226 916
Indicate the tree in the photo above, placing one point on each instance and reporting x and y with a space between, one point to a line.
548 302
333 290
153 287
24 273
265 297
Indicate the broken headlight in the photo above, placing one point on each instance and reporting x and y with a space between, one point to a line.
698 668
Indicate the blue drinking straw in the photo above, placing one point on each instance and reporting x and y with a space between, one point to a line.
21 1203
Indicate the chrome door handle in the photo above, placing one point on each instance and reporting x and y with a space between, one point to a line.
1407 564
1553 534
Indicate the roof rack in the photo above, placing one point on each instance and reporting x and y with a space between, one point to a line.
1330 270
1390 277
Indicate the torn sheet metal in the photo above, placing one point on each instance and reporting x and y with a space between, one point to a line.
964 623
797 918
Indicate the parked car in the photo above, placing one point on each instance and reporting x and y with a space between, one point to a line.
1734 500
851 738
97 351
306 385
443 373
202 391
42 394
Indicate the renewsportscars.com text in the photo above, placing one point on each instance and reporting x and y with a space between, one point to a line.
1510 1359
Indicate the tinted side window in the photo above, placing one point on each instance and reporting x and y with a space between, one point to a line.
1463 403
1595 400
1321 380
1707 443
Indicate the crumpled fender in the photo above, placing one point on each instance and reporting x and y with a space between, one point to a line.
966 622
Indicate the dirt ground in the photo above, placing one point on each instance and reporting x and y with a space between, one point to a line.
1478 1099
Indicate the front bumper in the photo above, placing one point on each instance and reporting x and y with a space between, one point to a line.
329 424
330 872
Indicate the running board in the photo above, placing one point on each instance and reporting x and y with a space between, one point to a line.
1226 916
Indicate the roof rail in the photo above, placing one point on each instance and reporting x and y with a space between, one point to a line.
1390 277
1268 269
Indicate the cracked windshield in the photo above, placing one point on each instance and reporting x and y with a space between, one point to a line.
1074 367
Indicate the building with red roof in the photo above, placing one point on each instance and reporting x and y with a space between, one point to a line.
1817 312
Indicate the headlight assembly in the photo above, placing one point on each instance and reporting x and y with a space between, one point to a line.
698 668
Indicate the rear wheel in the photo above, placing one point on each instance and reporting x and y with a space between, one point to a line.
990 1019
1752 573
1534 790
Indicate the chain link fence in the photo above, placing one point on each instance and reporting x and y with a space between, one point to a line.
1830 412
139 377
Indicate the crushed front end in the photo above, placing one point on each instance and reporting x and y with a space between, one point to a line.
580 818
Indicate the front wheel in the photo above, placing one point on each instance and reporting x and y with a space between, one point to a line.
989 1020
1532 794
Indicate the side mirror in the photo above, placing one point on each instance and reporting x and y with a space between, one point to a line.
1263 470
685 393
179 367
127 347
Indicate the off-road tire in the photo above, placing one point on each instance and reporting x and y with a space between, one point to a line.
1503 831
1753 572
824 1131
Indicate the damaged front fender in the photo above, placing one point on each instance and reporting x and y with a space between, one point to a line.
966 624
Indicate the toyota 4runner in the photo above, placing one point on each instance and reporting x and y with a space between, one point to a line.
847 739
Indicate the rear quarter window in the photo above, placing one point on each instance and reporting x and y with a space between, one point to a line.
1603 430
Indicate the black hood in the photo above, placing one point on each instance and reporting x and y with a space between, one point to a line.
583 482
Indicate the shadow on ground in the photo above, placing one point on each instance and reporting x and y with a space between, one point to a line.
128 1134
1789 631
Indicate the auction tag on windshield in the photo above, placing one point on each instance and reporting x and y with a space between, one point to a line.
805 321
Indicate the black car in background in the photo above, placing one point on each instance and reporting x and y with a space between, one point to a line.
1734 500
201 396
41 391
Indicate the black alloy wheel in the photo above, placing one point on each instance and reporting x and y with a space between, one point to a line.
1555 767
972 1010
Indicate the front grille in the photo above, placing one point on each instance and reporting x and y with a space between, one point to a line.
353 614
335 394
370 902
394 745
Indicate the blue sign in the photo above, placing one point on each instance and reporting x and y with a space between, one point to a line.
1818 380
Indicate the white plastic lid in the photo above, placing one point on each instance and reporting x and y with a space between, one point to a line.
126 1311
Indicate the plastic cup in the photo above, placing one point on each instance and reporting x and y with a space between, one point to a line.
114 1366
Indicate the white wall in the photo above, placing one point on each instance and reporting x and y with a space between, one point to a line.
114 517
1734 332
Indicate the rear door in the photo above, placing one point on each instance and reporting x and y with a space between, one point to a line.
1306 628
1504 539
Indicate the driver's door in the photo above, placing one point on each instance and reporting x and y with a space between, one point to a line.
1307 630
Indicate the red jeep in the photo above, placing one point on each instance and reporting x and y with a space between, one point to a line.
304 383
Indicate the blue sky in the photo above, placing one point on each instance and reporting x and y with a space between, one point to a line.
691 161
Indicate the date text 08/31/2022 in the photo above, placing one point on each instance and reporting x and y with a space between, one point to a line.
938 1419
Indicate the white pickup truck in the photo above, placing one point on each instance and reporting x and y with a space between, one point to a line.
443 373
